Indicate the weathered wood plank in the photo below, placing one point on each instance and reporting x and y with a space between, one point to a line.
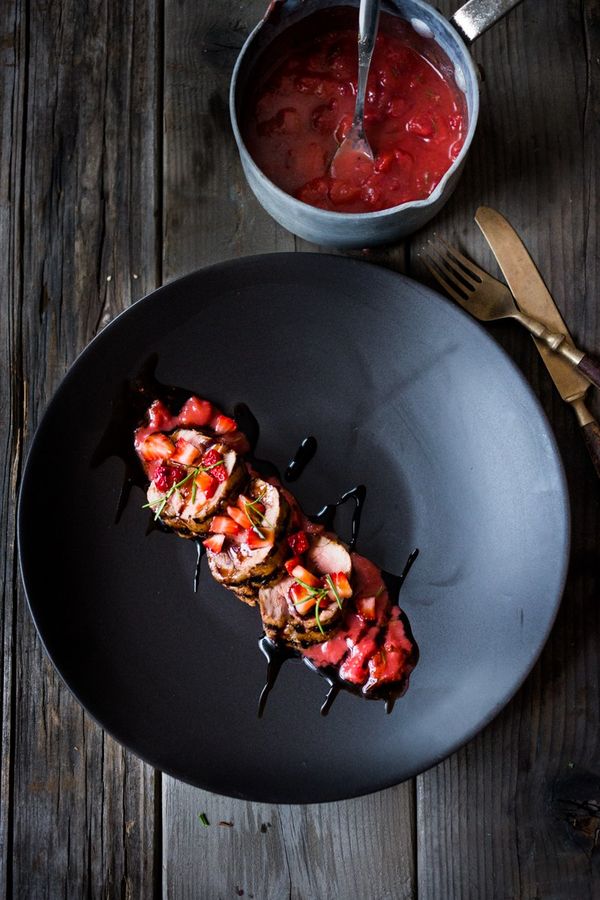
12 97
363 848
83 810
515 813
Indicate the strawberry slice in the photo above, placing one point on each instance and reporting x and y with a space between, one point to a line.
159 417
224 525
298 542
256 505
157 446
223 424
185 452
292 563
342 585
302 599
239 516
210 461
196 412
165 476
366 607
302 574
214 543
206 484
255 542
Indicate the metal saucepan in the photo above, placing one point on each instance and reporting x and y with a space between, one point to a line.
347 230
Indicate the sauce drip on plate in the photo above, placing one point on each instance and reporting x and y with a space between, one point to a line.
303 104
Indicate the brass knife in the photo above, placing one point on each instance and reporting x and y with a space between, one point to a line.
533 298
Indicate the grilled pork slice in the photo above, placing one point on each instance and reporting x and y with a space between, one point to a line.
302 609
254 547
192 478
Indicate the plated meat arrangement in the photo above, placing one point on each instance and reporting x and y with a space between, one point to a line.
317 598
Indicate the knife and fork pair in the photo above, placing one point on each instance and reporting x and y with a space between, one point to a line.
486 298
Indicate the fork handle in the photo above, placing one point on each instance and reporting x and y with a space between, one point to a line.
586 364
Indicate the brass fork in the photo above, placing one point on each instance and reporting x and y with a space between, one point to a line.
486 298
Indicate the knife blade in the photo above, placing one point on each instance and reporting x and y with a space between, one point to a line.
533 297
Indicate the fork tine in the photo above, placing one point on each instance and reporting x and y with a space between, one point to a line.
451 271
464 261
440 278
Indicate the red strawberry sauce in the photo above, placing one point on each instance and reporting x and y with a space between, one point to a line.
302 107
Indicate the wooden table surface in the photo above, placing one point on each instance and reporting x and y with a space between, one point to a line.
118 172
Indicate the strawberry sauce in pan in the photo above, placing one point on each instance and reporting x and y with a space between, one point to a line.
302 105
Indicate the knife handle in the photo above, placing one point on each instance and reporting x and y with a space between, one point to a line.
591 433
590 368
586 364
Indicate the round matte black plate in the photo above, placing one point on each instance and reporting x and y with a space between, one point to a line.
404 393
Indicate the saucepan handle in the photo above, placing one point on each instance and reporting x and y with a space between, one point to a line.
476 16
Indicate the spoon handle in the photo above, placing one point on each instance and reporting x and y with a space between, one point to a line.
368 18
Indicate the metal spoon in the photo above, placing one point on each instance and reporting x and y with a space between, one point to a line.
355 148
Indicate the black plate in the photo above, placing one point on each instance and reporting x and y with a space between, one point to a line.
405 393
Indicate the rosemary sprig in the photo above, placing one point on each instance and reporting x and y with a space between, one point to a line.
161 501
257 519
338 599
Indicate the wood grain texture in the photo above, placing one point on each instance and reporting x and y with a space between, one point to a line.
81 234
12 101
329 851
515 813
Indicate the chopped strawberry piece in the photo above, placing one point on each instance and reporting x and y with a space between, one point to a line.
302 574
292 563
298 542
223 424
239 516
366 607
256 542
256 505
211 460
214 543
157 446
185 452
302 599
341 583
196 412
166 476
206 484
159 417
224 525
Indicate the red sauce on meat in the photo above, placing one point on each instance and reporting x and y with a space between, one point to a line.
302 107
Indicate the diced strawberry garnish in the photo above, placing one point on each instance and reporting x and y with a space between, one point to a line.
159 417
224 525
302 574
257 506
206 484
211 460
166 476
185 452
302 599
239 516
342 585
223 424
214 543
298 542
196 412
366 607
291 564
157 446
256 542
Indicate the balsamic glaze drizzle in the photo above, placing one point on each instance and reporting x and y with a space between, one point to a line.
326 516
301 458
